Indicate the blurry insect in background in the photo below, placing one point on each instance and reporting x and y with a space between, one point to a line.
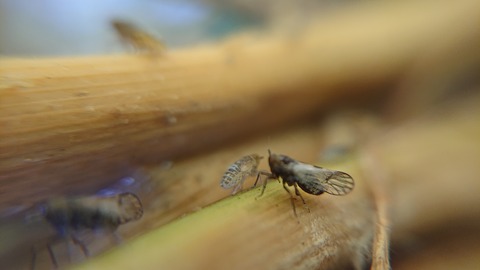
139 39
344 131
311 179
70 215
239 171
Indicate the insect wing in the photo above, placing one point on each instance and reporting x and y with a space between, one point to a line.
316 180
138 38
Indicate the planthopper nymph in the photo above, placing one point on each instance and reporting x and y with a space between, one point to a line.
311 179
70 215
239 171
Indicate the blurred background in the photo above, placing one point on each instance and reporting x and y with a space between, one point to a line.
398 81
53 28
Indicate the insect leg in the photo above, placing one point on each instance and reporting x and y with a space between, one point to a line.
237 188
82 246
269 176
34 258
52 256
292 199
298 193
258 176
265 184
117 238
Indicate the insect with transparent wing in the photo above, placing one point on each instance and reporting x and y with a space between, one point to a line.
311 179
69 215
239 171
139 39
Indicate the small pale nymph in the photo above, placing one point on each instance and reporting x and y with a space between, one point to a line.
239 171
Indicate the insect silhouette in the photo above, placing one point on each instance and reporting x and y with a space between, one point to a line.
69 215
139 39
239 171
311 179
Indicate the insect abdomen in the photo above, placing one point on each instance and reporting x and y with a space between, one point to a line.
232 176
238 171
